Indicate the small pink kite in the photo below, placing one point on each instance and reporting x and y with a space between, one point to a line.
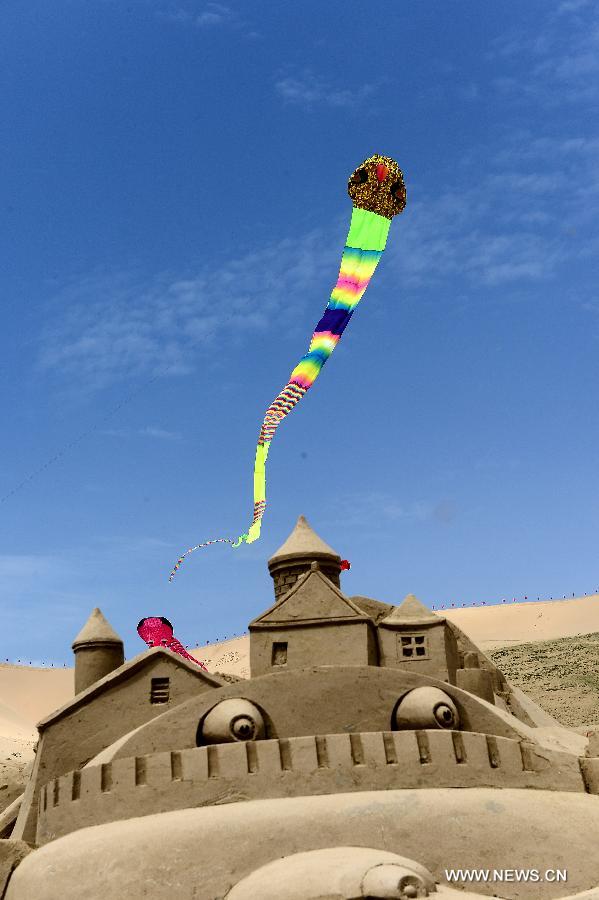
157 631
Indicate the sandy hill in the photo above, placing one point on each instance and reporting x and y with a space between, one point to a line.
518 623
561 675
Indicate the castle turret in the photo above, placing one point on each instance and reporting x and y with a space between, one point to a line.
294 557
413 637
98 651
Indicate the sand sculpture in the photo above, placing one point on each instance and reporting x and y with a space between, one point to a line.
373 748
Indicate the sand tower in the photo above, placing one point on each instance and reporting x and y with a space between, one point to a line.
294 557
98 651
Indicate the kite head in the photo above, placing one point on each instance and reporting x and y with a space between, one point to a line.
155 630
378 186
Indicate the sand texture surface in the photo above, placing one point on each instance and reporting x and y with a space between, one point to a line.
562 676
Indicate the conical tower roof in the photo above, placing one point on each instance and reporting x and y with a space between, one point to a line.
303 543
411 612
97 630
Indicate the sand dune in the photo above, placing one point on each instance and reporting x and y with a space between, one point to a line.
33 692
231 656
518 623
14 725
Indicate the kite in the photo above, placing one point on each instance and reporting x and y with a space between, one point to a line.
157 631
378 193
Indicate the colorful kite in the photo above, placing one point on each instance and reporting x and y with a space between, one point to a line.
157 631
378 193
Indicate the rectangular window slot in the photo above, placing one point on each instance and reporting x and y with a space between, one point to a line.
141 770
105 777
176 766
213 762
322 755
160 690
357 751
424 750
76 789
279 653
493 751
389 745
527 758
252 757
458 747
285 754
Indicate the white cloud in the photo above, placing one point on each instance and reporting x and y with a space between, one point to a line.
468 92
109 326
211 15
174 15
307 90
124 545
560 59
158 433
30 567
569 6
214 14
533 210
455 235
376 508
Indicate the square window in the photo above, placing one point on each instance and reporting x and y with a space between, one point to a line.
279 653
412 646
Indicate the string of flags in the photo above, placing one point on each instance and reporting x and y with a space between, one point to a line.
504 600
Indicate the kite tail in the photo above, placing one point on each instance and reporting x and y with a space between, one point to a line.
364 247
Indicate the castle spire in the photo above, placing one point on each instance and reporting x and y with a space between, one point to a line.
295 555
98 651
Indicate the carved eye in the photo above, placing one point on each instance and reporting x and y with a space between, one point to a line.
398 190
360 177
231 720
444 715
243 728
426 707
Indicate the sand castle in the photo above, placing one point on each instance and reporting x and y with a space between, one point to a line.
373 748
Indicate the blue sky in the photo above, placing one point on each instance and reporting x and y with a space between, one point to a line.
174 209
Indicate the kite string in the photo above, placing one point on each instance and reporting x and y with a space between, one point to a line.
198 547
84 434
